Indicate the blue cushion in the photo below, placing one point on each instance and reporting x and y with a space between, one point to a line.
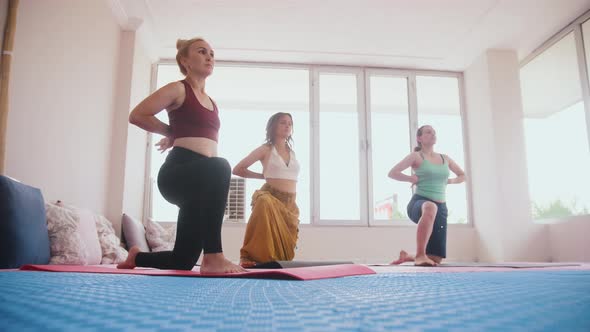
23 228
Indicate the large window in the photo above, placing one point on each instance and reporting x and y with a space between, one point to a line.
439 106
351 126
390 143
339 148
556 134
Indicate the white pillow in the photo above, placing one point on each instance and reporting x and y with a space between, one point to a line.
134 233
66 246
87 232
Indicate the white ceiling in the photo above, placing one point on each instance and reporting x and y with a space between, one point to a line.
419 34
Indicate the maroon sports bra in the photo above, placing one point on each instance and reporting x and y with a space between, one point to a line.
192 119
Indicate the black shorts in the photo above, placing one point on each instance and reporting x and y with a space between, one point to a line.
437 244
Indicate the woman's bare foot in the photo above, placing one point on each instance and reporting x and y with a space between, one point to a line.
246 263
403 257
436 259
129 263
217 263
423 260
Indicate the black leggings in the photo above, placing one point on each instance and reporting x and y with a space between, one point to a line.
437 244
198 185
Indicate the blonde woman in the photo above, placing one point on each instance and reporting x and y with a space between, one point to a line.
273 227
192 177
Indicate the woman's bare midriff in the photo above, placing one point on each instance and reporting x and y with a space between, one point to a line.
201 145
284 185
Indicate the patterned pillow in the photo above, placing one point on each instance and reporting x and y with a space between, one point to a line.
110 245
112 252
159 238
66 246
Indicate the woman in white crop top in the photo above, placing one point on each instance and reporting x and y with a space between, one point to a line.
273 227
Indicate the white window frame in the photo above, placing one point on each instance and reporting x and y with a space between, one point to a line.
316 159
147 189
369 72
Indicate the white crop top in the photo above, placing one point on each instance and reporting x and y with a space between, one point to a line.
276 168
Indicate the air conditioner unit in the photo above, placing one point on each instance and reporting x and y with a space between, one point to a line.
236 201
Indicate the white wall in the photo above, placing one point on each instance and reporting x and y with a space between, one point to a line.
569 240
135 165
62 88
481 156
120 128
360 244
498 166
501 202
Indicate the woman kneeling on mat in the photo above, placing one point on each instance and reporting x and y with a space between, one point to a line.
427 207
273 227
192 177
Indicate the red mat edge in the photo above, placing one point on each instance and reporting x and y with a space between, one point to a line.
298 273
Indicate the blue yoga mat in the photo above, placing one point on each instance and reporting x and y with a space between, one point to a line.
520 300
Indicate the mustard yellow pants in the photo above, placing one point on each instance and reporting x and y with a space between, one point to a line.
273 227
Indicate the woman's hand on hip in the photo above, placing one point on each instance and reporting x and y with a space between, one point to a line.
164 144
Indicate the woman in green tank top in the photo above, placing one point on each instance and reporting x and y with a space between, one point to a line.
427 208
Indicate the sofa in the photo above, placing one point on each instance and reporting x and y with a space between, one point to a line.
35 231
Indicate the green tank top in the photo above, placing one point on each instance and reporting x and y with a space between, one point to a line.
432 179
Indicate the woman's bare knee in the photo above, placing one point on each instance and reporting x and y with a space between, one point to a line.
429 210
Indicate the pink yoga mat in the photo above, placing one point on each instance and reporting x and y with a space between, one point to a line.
299 273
